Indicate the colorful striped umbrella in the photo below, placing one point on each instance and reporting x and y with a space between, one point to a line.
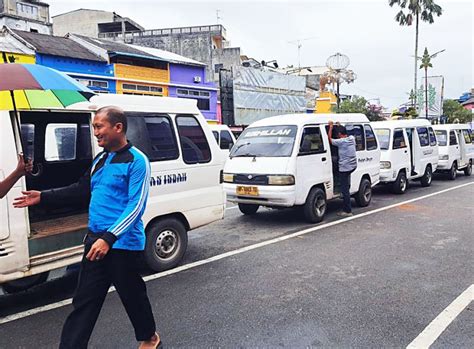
31 86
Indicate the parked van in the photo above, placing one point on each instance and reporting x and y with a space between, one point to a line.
409 152
456 148
223 136
286 161
185 188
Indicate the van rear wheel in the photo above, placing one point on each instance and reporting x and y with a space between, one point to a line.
453 171
23 284
315 206
364 195
468 169
427 177
401 183
248 209
166 244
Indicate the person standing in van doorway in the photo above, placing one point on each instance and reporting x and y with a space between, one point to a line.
118 184
347 163
23 167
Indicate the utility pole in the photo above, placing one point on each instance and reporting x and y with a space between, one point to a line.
217 16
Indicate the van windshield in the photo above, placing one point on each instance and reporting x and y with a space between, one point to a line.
383 136
266 141
441 137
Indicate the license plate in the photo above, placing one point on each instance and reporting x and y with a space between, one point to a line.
252 191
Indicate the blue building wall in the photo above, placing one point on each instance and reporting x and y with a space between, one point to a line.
92 70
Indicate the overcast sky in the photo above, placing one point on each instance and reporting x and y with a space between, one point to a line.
381 52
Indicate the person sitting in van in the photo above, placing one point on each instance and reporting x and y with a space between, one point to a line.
23 167
346 146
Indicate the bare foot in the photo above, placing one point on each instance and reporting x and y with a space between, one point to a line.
152 343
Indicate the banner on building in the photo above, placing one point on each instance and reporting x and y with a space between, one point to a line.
435 94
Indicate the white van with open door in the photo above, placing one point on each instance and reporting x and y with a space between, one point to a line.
409 152
286 161
456 149
186 189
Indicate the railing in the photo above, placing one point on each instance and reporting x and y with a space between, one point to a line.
168 31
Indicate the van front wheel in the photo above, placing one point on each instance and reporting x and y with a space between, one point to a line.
427 177
401 183
468 169
248 209
315 206
364 195
23 284
453 172
166 243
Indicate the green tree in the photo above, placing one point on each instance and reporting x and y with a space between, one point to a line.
415 10
360 105
455 112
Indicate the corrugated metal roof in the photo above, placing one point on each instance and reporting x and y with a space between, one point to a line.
115 47
57 46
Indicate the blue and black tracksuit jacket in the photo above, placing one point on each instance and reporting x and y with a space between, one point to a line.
117 186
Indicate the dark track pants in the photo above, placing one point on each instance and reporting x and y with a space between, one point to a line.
345 190
120 268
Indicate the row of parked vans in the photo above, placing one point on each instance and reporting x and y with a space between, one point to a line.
281 161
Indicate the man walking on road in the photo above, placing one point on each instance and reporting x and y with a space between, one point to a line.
118 184
347 163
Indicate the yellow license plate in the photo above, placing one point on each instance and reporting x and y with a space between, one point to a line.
252 191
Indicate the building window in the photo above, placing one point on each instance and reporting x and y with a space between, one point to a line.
218 67
94 83
202 97
27 10
141 88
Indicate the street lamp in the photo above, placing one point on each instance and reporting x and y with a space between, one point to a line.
425 64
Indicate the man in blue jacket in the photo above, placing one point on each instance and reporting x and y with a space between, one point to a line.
118 184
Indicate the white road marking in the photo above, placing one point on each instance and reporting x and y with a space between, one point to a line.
68 301
429 335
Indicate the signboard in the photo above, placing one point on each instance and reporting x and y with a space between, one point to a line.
435 97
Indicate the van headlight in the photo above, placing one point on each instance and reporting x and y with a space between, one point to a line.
281 180
385 165
444 157
228 178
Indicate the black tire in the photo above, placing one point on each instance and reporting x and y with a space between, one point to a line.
315 206
427 177
248 209
401 183
468 169
453 171
23 284
364 195
166 243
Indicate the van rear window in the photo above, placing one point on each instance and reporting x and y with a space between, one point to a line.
383 136
423 136
441 137
193 141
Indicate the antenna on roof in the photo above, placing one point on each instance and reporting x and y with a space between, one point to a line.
217 16
299 45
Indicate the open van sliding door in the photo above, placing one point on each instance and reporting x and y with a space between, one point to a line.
463 159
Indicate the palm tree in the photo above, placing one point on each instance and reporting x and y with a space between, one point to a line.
425 64
416 9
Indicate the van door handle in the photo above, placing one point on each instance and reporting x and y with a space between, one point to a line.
323 159
406 151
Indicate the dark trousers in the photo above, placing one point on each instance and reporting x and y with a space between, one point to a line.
345 178
120 268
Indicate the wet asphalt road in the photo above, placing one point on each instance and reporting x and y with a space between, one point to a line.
375 281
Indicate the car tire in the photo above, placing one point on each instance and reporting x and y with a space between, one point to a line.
401 183
23 284
427 177
248 209
364 194
166 243
468 169
315 206
453 171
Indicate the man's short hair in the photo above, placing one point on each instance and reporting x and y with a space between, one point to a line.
341 130
115 115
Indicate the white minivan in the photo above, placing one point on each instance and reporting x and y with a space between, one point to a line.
224 137
456 148
286 161
186 188
409 152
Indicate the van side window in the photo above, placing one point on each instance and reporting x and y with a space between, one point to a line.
398 139
226 140
193 140
216 136
28 140
467 136
432 136
154 135
423 136
60 142
358 133
311 141
371 142
452 138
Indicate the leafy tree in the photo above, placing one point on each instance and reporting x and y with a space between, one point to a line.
415 10
455 112
360 105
